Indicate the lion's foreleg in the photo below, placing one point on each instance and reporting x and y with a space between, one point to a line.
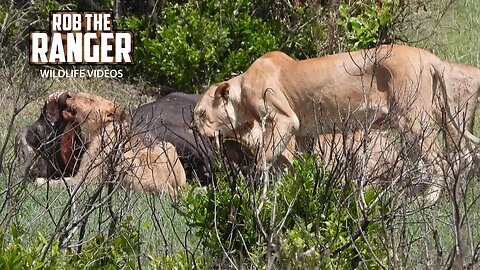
276 135
69 181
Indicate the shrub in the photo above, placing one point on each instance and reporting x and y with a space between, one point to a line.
195 45
118 251
308 219
366 23
16 254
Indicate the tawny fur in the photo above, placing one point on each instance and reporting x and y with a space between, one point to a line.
390 87
462 85
377 156
116 155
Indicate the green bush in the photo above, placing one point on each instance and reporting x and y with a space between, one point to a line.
365 23
115 252
18 253
223 217
314 218
194 46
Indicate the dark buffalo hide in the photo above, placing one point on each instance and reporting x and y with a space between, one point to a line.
50 147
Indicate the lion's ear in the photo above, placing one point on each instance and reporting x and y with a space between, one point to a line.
222 91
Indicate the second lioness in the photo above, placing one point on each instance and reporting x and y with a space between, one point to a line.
391 87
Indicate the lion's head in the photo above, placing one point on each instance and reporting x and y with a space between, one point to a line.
90 110
216 112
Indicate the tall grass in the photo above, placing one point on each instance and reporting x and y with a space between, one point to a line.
457 35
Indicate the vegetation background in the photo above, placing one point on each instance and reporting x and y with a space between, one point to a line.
315 219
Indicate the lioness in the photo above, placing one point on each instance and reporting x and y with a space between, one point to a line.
114 152
392 87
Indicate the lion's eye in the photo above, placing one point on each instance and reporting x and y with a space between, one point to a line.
109 114
202 113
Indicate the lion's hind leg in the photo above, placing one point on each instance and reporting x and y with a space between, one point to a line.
154 169
420 134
